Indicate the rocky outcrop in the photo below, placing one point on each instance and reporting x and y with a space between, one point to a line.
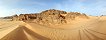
50 17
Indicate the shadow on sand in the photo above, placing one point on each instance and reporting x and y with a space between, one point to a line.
18 34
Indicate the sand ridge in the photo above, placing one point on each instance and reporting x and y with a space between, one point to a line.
90 29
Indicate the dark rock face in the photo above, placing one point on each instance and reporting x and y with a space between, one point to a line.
51 16
27 16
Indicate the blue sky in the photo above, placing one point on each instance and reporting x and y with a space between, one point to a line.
90 7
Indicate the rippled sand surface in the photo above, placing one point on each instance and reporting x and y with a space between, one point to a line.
90 29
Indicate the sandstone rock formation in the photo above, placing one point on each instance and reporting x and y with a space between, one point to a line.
50 17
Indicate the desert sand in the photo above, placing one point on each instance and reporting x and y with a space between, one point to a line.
93 28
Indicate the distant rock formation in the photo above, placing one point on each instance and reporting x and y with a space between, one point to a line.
8 17
50 17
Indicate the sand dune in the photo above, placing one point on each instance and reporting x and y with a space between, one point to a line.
20 34
88 29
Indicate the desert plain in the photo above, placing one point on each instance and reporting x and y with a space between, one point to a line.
88 29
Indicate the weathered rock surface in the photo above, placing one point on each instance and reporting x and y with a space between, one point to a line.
50 17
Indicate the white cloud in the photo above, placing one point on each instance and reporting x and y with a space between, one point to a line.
4 12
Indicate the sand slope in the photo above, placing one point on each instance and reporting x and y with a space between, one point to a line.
91 29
